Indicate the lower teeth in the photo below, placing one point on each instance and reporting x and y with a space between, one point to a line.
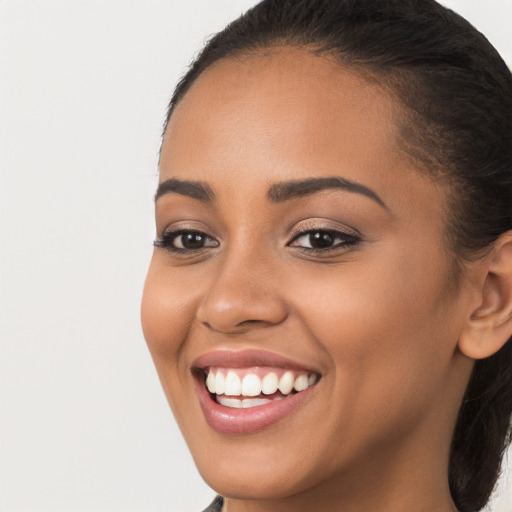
245 403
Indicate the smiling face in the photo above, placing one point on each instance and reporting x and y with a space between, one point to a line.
298 246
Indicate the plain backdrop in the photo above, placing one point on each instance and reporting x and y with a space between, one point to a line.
84 426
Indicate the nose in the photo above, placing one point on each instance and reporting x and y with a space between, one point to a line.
243 295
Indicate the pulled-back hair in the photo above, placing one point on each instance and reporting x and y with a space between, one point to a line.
455 121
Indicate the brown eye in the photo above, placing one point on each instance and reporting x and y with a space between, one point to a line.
322 240
185 240
191 240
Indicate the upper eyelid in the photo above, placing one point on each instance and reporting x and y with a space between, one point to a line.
175 233
167 238
300 234
184 226
300 228
345 230
348 238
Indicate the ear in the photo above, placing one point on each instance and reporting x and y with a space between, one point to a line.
489 325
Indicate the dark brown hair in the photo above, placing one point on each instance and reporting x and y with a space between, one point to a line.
457 124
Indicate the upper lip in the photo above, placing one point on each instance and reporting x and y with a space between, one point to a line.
247 358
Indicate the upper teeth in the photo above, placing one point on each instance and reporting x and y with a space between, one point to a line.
229 382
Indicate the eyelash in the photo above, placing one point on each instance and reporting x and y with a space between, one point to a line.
169 238
347 240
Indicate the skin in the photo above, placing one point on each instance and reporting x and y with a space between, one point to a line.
380 320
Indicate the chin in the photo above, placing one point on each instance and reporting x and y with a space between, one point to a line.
259 484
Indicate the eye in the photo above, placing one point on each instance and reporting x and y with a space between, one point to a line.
323 240
185 241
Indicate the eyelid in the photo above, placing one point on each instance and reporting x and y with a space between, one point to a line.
172 236
188 225
346 240
345 236
307 226
171 232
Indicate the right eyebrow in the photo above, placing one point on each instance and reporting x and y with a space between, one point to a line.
194 189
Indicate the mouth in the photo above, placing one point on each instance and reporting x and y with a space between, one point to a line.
246 388
244 393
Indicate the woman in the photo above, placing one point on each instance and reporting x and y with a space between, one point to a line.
329 302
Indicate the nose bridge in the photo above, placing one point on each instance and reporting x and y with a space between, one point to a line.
244 293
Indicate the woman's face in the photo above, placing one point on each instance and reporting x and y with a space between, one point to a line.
298 245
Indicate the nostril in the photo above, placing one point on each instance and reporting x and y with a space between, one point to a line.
227 310
206 324
238 327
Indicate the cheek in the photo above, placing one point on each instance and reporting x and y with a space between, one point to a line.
389 299
167 311
387 327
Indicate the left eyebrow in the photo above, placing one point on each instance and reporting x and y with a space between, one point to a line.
195 189
287 190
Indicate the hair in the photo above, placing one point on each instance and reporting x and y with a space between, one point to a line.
454 120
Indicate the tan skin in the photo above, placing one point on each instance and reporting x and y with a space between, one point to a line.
382 319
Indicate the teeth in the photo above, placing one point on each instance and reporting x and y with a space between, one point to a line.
286 383
251 385
236 403
219 383
301 382
233 386
254 402
247 403
210 382
228 382
269 384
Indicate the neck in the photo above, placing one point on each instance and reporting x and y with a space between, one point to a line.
386 494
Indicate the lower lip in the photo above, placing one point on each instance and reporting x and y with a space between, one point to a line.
229 420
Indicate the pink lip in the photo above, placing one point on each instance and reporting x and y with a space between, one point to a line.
228 420
247 359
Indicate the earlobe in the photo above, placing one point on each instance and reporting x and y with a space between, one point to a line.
489 326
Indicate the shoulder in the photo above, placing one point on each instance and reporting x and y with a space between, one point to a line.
215 505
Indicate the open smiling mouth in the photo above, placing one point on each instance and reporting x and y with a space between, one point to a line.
245 400
247 388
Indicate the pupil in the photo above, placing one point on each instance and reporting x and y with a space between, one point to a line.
320 240
192 240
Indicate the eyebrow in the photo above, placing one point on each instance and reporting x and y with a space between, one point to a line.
195 189
292 189
277 193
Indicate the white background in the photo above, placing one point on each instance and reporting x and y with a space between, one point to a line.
84 425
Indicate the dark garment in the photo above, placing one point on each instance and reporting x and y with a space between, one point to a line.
215 505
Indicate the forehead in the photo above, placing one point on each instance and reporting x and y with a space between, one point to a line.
285 101
284 76
289 115
247 123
